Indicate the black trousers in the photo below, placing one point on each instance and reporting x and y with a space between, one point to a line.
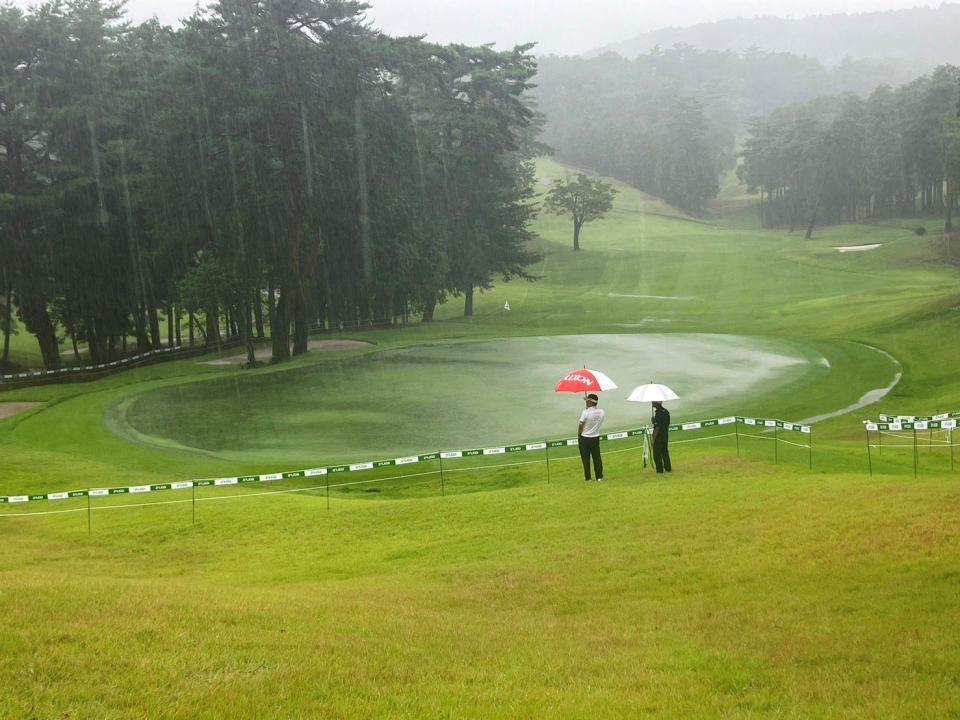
590 448
661 455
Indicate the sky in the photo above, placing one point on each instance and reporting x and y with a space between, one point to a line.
563 27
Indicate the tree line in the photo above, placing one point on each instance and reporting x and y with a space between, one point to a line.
270 167
895 153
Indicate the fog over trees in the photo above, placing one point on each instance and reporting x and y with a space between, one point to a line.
668 122
844 158
918 38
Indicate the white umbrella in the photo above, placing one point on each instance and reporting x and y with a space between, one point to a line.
652 392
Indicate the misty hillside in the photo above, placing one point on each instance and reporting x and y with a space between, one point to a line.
924 36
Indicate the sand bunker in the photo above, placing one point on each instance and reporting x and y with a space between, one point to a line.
9 409
264 354
857 248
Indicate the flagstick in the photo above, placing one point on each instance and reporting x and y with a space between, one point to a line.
89 520
443 491
547 449
915 458
869 458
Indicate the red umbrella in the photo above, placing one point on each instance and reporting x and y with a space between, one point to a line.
585 381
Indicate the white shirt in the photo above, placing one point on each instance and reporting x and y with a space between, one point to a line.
592 419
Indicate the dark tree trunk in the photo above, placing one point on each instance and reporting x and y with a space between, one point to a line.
577 226
170 324
76 350
33 307
813 221
140 328
430 308
258 313
94 343
7 319
247 331
280 326
301 325
154 316
468 302
271 304
177 316
191 319
212 335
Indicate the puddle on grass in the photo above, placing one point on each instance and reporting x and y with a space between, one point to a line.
683 298
856 248
868 398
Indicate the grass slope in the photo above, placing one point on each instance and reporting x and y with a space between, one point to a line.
734 588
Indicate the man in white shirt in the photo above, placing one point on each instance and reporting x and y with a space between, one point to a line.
588 437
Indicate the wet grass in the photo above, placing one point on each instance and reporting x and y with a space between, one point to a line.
733 588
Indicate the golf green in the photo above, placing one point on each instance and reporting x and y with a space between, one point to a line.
468 394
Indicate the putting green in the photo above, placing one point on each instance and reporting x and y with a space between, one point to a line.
458 395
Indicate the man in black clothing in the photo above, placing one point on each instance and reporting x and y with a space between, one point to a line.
661 428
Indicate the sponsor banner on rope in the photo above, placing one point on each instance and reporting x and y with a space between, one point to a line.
445 455
86 368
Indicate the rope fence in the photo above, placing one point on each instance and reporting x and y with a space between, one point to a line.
903 429
426 467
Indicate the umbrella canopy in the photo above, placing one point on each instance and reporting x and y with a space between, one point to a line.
652 392
584 381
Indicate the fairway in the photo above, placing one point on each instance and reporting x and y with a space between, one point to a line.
442 396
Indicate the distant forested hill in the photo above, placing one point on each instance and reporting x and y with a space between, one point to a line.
924 37
667 122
